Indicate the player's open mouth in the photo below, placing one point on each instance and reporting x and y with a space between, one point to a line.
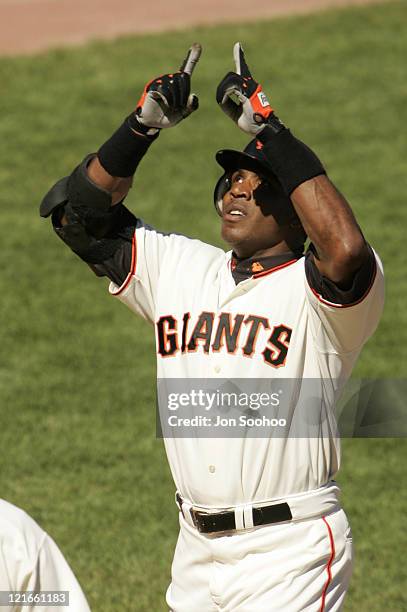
234 212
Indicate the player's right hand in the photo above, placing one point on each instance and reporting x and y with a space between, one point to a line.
167 100
242 98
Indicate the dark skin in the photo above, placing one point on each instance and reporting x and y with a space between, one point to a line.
262 227
323 213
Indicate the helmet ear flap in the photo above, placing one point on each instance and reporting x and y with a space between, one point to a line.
221 187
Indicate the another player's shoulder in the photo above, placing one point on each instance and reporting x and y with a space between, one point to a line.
19 533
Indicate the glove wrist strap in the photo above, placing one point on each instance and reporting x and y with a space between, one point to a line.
274 123
140 127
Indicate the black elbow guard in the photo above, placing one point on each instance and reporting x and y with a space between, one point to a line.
86 246
88 211
118 227
82 193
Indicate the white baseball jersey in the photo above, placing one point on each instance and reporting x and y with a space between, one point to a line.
31 561
269 326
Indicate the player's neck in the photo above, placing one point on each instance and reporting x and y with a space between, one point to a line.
244 252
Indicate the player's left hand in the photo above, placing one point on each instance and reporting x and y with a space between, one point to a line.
242 98
167 100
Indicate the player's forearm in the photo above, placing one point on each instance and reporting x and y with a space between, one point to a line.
324 213
113 167
331 226
84 200
118 158
118 186
101 177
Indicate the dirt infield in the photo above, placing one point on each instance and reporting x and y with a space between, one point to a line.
27 26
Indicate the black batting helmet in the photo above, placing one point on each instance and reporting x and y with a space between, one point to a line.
251 158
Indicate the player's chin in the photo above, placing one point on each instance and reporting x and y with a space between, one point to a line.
233 233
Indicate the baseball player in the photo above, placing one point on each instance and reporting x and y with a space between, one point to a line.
261 527
31 565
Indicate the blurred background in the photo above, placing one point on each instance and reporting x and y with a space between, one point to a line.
77 370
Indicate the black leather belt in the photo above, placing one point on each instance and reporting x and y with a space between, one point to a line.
208 522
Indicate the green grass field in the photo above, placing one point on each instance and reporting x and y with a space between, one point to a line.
77 369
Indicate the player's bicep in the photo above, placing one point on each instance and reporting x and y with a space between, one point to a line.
343 318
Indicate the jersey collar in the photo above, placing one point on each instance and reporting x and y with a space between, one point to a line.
254 267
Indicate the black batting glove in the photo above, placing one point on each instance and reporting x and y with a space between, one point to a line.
243 100
167 100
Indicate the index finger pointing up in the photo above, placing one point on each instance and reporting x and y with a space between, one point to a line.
241 67
191 59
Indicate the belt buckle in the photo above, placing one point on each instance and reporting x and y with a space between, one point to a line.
196 515
210 522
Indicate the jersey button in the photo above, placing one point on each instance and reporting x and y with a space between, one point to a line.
212 469
217 369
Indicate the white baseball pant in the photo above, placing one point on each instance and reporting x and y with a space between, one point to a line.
297 566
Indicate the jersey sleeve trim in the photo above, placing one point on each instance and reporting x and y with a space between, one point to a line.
119 290
335 304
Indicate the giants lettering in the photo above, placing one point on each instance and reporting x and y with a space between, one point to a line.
224 334
167 343
255 323
202 331
276 353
